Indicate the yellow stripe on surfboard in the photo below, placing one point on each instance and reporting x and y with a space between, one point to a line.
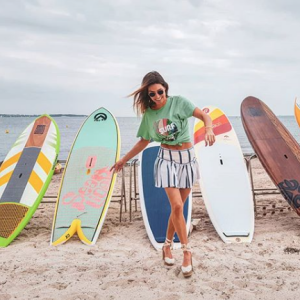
297 112
10 161
36 182
44 162
4 179
216 113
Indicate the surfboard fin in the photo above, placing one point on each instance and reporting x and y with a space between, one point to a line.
75 227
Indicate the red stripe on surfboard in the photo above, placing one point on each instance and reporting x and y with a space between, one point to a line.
220 125
199 135
223 128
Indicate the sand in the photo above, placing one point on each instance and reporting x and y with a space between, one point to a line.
124 265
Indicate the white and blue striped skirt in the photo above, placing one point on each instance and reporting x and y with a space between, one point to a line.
176 168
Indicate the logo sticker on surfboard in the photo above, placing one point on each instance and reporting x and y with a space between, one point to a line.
100 117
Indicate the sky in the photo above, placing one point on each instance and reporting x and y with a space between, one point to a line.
74 56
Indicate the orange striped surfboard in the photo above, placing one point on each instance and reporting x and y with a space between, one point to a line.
25 175
224 179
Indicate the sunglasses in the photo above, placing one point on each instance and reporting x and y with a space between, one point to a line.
159 92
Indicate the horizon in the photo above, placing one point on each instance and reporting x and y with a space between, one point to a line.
75 115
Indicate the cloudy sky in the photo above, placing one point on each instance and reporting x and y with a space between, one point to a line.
73 56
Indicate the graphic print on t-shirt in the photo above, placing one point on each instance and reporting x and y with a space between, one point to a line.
166 129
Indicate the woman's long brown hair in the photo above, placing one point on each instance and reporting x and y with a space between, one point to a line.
141 99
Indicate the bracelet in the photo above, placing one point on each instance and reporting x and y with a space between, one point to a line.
208 127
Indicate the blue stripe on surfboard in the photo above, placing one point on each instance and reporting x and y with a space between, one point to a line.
156 201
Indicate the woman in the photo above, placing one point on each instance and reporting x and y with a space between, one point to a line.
165 120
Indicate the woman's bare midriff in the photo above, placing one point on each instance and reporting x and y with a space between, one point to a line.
177 147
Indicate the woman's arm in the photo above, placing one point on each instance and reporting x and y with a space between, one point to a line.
136 149
209 135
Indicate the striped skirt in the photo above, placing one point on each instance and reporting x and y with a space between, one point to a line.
176 168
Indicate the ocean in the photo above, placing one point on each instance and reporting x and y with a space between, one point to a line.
12 126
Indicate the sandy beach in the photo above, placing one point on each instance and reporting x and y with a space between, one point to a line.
124 265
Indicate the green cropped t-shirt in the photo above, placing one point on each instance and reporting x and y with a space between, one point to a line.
169 124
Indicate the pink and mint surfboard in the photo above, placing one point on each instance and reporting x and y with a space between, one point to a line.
87 183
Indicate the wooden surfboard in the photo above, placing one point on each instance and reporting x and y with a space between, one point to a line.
277 150
87 183
224 179
25 175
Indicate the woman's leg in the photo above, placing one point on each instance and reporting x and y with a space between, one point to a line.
171 229
178 222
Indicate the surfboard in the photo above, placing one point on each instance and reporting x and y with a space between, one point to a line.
87 182
276 148
154 202
25 175
224 179
297 111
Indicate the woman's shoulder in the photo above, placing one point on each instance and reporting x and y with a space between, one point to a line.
175 97
178 98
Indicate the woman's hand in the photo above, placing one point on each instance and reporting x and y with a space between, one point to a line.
136 149
209 134
209 137
118 166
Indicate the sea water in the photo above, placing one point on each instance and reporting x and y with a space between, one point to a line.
12 126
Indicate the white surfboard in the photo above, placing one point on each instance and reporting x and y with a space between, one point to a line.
155 205
224 180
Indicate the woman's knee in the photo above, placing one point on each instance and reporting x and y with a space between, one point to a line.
177 209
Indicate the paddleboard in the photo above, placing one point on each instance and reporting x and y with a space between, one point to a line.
25 175
297 111
154 201
87 182
277 150
224 180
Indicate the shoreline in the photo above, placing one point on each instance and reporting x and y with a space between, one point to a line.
69 126
124 265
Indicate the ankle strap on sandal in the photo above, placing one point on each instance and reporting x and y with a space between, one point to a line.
168 243
186 247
